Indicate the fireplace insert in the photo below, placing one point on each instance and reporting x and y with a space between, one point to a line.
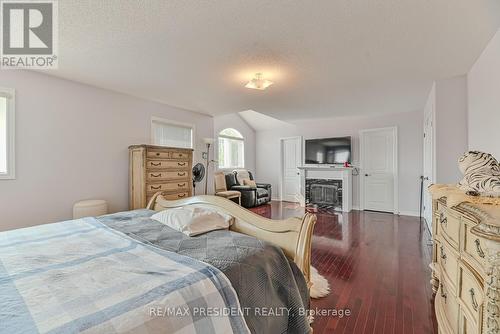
324 193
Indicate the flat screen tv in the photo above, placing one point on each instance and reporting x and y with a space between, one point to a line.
328 151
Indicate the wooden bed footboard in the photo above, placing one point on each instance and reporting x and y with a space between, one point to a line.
293 235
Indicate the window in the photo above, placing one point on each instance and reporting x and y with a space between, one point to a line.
231 149
172 134
7 159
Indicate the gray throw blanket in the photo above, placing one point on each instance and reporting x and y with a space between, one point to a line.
271 289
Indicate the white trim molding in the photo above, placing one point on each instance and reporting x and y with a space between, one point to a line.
409 213
10 95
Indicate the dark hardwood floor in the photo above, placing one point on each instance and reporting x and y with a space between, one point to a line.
377 266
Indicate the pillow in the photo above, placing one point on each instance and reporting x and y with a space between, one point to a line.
248 182
241 174
192 220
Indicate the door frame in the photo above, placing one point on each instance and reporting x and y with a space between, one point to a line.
431 113
282 164
395 167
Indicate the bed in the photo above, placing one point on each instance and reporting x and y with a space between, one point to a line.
125 272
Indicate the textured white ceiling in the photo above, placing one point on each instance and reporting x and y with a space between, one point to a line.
326 58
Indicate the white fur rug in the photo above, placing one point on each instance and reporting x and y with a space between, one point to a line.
320 286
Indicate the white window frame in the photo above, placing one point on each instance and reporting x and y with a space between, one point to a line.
11 129
170 122
242 139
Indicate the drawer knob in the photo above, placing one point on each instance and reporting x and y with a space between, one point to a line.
479 250
181 195
157 154
442 219
475 305
443 294
180 185
155 164
156 188
181 164
181 174
443 255
155 175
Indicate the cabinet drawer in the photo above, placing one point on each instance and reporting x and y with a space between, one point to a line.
471 294
160 176
166 164
180 155
448 261
171 197
447 308
171 186
159 154
449 225
474 247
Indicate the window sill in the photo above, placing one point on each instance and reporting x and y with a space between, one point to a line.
229 169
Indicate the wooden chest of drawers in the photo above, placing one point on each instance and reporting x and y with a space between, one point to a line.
466 268
158 168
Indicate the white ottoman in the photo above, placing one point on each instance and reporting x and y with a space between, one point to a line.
90 208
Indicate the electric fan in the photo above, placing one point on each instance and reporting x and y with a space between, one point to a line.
198 175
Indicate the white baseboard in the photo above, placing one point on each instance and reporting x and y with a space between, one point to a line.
355 208
401 213
409 213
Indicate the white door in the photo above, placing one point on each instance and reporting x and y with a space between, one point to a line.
291 155
378 169
428 165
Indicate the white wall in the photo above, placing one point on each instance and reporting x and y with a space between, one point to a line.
71 144
236 122
484 100
410 129
450 127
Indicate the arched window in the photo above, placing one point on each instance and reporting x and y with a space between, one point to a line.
231 149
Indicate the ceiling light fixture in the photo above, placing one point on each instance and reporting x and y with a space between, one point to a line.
258 82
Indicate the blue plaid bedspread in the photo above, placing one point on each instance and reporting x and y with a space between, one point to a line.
82 276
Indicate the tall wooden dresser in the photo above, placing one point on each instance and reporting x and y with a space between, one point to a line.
159 168
466 267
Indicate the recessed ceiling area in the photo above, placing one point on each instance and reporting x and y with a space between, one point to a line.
261 122
326 58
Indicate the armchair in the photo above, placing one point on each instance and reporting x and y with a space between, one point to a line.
250 196
221 188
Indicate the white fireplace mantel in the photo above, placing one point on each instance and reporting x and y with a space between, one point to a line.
328 173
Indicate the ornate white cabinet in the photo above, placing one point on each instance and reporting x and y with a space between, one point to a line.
466 267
